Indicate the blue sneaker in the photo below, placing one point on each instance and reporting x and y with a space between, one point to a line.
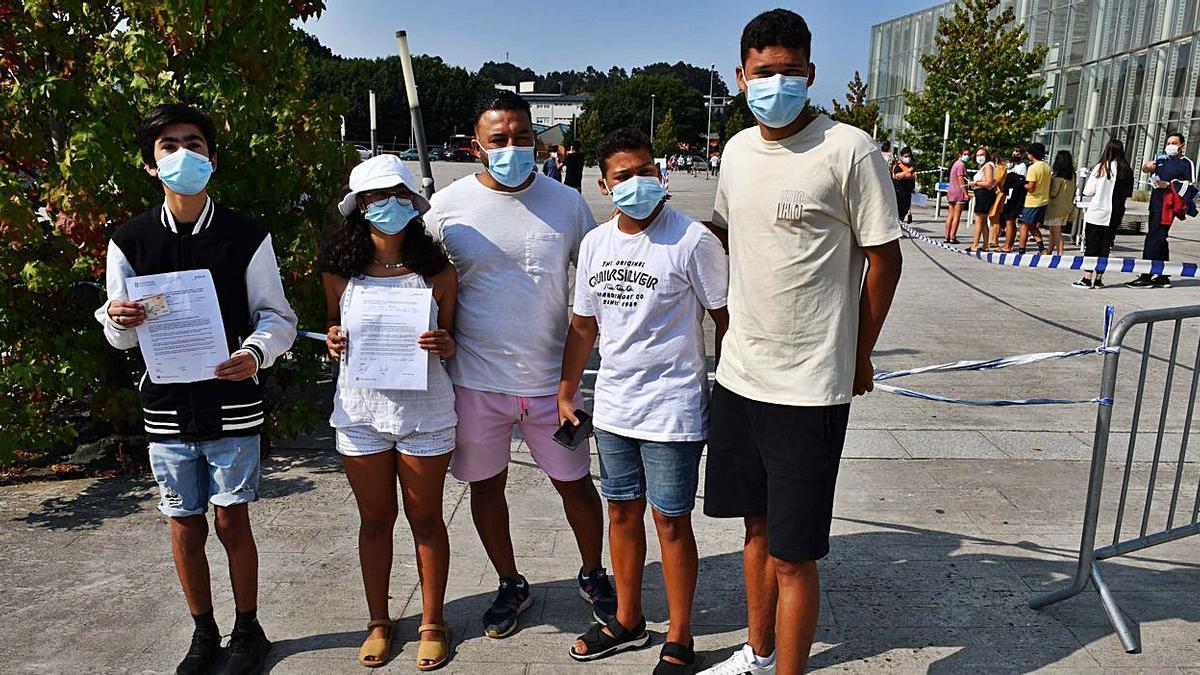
598 590
500 620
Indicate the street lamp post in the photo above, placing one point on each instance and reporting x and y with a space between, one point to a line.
712 71
652 97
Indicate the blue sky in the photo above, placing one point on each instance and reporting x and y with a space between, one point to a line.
566 34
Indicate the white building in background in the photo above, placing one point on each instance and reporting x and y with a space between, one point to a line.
1127 69
552 109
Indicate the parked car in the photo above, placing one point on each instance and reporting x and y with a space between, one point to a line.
411 155
462 155
698 163
363 151
437 153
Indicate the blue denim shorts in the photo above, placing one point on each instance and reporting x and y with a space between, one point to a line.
665 473
223 471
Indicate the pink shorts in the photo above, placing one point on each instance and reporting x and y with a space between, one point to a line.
484 445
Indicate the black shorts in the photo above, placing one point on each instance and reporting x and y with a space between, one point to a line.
984 199
778 461
1013 208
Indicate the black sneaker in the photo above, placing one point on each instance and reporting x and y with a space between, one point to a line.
1082 283
202 655
1161 281
1143 281
248 649
598 590
500 620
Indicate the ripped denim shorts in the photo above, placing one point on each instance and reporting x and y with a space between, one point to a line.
223 471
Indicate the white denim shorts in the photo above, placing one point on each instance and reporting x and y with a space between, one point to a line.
363 439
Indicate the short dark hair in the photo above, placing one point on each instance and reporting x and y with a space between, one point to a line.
1182 140
576 146
777 28
906 150
622 140
1037 150
160 117
886 147
504 100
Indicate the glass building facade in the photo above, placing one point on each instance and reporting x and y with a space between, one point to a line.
1119 68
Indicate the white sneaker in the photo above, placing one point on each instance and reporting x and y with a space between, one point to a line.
741 663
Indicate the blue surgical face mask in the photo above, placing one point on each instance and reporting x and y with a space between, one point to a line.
637 197
391 216
510 165
777 100
185 172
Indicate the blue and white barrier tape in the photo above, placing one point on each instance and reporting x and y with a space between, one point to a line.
996 364
958 366
1078 263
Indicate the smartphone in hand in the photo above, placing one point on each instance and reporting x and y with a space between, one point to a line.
571 436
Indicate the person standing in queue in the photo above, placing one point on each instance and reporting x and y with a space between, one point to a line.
1165 169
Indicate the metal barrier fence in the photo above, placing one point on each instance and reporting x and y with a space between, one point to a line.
1090 555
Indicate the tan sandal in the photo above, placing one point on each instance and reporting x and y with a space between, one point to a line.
435 651
375 651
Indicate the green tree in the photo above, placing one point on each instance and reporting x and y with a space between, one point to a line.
737 117
666 141
982 75
449 95
590 136
627 104
693 76
75 77
859 111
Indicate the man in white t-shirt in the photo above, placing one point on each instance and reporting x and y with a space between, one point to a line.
512 233
644 281
807 202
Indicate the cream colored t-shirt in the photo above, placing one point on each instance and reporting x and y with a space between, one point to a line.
799 212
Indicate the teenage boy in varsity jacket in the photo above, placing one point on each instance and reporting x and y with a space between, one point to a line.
204 436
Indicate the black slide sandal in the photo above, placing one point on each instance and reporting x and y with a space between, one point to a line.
600 644
676 651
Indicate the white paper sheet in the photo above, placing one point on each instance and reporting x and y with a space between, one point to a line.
383 324
188 342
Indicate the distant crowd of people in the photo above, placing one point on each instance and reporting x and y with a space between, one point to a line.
1015 198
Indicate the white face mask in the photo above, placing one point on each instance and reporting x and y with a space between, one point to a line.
1172 150
906 160
966 158
981 159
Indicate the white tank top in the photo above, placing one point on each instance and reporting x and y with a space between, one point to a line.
395 411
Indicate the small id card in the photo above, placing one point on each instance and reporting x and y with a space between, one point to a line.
155 306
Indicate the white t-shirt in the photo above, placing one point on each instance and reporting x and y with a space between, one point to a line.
512 251
648 291
799 211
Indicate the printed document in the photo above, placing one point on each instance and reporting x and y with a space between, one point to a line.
183 337
383 324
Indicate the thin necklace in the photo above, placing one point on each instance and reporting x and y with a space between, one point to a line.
389 266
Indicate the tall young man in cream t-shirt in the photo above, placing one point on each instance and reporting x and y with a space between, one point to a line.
806 202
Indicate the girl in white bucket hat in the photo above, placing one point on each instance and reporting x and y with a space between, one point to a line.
385 435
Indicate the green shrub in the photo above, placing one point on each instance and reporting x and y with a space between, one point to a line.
75 77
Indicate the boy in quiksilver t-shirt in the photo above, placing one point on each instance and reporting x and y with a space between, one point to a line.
644 280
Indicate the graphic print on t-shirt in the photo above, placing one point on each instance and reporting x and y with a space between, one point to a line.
622 283
790 205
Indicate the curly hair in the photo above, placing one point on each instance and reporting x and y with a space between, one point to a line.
348 250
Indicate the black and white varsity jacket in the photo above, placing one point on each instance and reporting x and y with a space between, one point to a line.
257 316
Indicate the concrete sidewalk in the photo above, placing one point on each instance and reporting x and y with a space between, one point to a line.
933 561
948 520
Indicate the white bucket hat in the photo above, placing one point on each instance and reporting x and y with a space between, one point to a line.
376 173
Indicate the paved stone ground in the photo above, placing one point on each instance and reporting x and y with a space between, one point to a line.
948 520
